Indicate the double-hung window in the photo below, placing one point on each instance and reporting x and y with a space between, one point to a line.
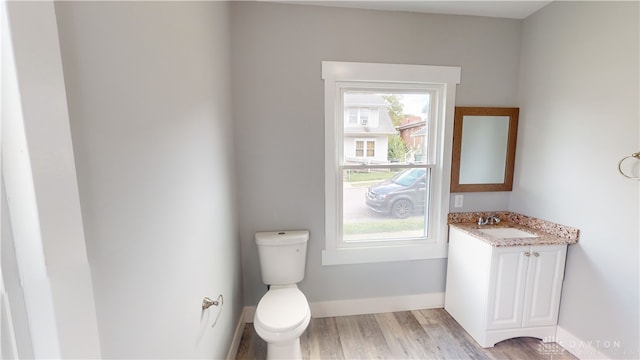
386 199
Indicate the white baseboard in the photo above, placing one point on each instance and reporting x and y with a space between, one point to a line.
237 336
249 313
322 309
376 305
584 349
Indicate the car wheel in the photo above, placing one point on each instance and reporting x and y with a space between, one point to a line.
402 208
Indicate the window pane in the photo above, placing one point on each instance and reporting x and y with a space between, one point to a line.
398 121
385 204
353 116
359 148
371 148
364 116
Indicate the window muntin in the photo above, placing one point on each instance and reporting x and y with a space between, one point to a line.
440 82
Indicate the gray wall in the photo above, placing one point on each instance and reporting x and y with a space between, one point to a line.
278 114
579 117
148 91
13 287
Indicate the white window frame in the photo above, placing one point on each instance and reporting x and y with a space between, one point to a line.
365 143
338 76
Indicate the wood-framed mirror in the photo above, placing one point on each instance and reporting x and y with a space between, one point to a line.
484 149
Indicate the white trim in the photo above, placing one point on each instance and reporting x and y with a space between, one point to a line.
8 345
332 308
354 71
237 336
42 190
338 76
583 349
376 305
491 337
383 254
249 313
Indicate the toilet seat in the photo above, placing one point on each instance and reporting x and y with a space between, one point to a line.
282 310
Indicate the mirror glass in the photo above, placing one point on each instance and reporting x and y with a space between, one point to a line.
483 149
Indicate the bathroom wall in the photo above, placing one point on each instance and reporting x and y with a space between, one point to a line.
579 116
42 199
278 114
13 288
148 94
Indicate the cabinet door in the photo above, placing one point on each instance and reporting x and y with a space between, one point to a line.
507 287
544 284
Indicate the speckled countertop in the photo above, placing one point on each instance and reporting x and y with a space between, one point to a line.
548 233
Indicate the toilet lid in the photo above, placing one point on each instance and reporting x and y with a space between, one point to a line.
282 309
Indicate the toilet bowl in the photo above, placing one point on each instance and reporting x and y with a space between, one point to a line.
283 313
281 318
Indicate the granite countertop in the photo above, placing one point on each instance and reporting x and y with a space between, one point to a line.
548 233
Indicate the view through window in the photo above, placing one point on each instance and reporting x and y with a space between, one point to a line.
386 165
387 131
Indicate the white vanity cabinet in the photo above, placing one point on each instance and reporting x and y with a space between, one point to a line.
497 293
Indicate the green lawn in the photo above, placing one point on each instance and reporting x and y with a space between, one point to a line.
384 225
354 176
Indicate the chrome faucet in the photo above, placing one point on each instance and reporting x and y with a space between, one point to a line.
490 220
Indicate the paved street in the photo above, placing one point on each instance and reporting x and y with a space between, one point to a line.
356 211
355 208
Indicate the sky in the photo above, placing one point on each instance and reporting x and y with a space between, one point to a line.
414 103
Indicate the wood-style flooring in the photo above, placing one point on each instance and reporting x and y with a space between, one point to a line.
419 334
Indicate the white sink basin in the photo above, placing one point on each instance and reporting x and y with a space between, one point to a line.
504 233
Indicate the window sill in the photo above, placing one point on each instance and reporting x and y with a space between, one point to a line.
383 254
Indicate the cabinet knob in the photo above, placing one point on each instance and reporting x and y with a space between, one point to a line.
536 254
527 253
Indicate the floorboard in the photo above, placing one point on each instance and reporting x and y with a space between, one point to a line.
361 338
418 334
321 340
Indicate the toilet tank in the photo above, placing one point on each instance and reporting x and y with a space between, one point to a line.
282 256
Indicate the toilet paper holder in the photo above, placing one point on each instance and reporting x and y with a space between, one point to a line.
207 302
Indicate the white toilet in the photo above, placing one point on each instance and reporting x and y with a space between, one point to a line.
283 312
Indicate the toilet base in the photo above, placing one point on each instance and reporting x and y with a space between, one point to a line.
284 350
